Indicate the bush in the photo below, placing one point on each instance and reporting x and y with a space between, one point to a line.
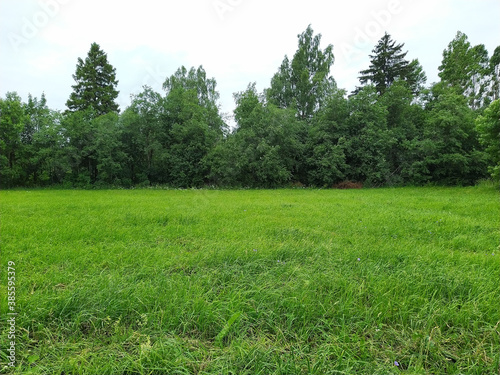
348 185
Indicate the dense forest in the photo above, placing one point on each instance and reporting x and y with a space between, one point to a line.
303 130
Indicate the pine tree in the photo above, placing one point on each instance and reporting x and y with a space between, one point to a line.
388 64
96 83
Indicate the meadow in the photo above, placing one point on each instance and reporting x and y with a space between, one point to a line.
297 281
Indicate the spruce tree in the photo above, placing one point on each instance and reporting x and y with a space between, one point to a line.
96 83
388 64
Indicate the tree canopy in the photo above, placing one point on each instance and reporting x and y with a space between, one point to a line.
467 69
304 82
96 83
388 64
302 130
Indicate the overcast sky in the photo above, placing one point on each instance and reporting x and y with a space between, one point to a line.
236 41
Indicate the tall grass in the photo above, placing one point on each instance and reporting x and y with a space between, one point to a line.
254 282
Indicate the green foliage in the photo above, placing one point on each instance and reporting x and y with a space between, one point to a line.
81 148
388 64
196 126
495 74
450 148
31 141
110 153
146 138
266 148
405 122
327 142
455 67
196 82
12 120
43 139
302 131
368 138
50 165
167 139
488 127
94 150
467 69
95 87
304 82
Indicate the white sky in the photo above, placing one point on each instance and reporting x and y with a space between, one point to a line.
236 41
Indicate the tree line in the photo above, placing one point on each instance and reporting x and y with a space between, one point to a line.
303 130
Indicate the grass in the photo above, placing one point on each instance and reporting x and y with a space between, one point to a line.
381 281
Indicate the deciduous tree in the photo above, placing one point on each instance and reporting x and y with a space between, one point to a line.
326 142
495 73
304 82
12 120
466 68
266 148
145 135
450 149
192 114
488 126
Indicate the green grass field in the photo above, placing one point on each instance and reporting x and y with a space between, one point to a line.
381 281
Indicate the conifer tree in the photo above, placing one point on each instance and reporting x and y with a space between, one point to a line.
96 83
388 64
